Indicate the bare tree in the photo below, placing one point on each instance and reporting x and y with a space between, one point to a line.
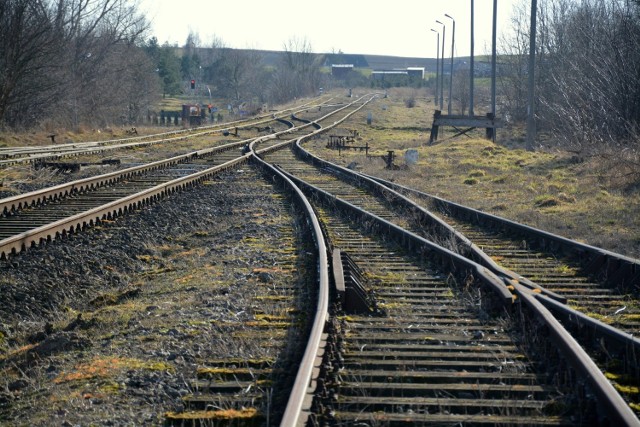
58 57
460 95
588 67
299 73
28 45
241 66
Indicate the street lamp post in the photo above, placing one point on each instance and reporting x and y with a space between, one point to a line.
453 37
444 33
471 72
437 65
531 115
494 33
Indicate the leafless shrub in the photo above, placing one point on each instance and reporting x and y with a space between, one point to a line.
76 62
460 95
588 59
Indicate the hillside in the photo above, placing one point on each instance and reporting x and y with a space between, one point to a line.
375 62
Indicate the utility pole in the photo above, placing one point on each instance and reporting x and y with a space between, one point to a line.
453 38
437 66
444 35
493 65
531 119
471 66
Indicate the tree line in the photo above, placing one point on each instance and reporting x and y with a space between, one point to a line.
587 71
73 62
235 74
87 62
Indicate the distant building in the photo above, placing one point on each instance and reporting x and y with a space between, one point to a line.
388 74
340 71
358 61
416 72
412 73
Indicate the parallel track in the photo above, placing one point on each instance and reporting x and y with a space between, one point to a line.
43 215
421 334
601 285
433 356
354 194
253 390
14 155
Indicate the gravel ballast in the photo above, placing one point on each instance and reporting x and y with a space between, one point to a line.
109 326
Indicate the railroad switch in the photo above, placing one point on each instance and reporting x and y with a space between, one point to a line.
350 285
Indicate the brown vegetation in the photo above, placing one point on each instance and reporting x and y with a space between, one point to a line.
592 199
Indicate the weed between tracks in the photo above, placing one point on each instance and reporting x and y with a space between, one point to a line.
461 291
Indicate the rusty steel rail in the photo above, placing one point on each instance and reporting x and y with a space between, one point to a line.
319 128
509 277
111 210
14 204
448 259
305 383
618 267
47 152
470 250
615 406
298 406
620 270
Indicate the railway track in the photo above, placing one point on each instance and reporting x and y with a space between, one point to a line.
43 215
15 155
272 324
222 314
419 332
328 179
431 355
599 289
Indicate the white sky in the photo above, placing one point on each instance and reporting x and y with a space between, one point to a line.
375 27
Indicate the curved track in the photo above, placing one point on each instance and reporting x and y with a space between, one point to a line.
43 215
425 327
14 155
599 289
325 176
256 388
273 326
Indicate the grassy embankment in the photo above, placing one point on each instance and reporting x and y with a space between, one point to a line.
586 199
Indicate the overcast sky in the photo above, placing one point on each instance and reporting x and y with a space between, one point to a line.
375 27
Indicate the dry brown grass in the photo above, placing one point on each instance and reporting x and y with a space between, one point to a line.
585 199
